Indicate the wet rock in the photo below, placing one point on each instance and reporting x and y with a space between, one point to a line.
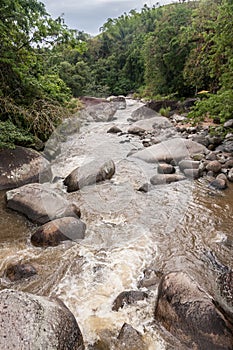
128 297
187 312
164 168
166 178
228 124
40 204
174 149
114 130
211 156
150 124
214 166
188 164
192 173
144 188
89 174
130 339
151 278
28 321
119 101
20 271
230 175
220 183
21 166
56 231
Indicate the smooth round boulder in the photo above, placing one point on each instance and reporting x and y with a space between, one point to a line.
189 313
114 130
20 271
57 231
164 168
188 164
29 321
214 166
40 203
89 174
21 166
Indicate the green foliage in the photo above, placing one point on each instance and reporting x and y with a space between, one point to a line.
165 111
11 135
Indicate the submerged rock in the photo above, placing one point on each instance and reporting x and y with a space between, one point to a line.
186 311
28 321
20 271
128 297
160 179
56 231
21 166
174 149
89 174
40 204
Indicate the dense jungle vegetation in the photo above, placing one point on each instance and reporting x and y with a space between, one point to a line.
177 51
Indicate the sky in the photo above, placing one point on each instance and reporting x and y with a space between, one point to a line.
90 15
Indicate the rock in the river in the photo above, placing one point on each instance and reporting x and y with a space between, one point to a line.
89 174
174 149
128 297
114 130
160 179
143 113
56 231
164 168
130 339
40 203
220 183
230 175
20 271
188 164
189 313
192 173
21 166
214 166
150 124
119 101
28 321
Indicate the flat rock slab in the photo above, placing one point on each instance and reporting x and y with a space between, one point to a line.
40 203
89 174
189 313
21 166
160 179
28 321
57 231
171 150
151 124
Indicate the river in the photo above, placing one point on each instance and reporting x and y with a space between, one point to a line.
166 229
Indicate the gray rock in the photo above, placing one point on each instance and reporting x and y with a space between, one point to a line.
128 297
130 339
166 179
89 174
186 311
114 130
34 322
151 124
219 184
214 166
144 188
57 231
40 203
19 271
136 130
143 113
119 101
228 124
164 168
211 156
188 164
192 173
21 166
230 175
174 149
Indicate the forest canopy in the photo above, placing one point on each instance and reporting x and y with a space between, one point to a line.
175 50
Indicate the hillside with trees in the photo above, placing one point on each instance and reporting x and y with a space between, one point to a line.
177 51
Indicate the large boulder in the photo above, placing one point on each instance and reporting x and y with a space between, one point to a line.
142 113
89 174
171 150
56 231
128 297
190 314
34 322
21 166
40 203
100 112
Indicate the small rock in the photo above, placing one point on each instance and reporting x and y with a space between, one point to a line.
144 188
166 179
164 168
114 130
56 231
89 174
230 175
214 166
211 156
19 271
218 184
130 339
228 124
136 130
128 297
192 173
229 164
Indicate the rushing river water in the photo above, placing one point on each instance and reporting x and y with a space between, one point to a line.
166 229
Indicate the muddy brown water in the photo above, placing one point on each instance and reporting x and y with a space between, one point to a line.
167 229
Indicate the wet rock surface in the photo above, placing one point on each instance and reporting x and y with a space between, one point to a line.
16 272
189 313
40 203
21 166
128 297
57 231
28 321
89 174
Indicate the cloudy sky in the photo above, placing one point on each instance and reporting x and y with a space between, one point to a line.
90 15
